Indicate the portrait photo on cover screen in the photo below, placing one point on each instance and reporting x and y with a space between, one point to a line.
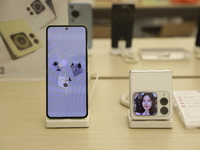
145 103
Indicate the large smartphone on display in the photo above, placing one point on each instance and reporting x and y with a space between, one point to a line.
66 72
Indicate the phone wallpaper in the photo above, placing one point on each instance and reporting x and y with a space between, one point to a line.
67 72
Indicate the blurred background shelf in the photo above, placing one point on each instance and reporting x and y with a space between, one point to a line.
154 18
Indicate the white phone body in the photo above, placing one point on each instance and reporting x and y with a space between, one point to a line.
39 12
158 82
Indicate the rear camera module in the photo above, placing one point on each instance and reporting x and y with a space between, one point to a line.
164 101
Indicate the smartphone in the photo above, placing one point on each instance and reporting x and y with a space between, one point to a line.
150 94
81 14
197 43
66 72
122 23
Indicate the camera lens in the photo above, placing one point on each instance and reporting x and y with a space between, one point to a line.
164 110
65 84
21 41
164 101
31 35
36 41
123 14
37 6
75 13
28 9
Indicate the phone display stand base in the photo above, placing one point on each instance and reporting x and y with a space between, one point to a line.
149 123
67 123
120 48
124 52
164 54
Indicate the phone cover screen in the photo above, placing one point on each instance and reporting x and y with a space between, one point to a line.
67 72
145 104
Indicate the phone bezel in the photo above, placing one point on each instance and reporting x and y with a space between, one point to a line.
86 61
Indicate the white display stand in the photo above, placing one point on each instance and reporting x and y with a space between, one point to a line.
121 47
164 54
124 52
149 123
67 123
